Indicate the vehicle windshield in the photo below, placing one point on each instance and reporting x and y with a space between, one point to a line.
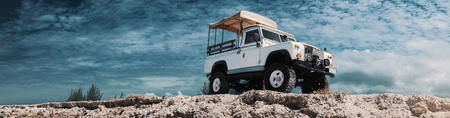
291 39
270 35
275 37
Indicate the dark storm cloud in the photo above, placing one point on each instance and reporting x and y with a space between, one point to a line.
7 10
360 78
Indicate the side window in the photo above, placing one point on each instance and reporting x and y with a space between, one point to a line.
270 35
249 36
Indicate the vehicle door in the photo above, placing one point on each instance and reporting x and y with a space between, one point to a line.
250 51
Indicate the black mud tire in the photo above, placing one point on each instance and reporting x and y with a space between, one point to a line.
288 81
321 83
224 83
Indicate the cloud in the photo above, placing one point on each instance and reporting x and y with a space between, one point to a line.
384 71
159 46
359 78
168 94
151 94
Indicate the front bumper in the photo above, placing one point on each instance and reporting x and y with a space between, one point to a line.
305 65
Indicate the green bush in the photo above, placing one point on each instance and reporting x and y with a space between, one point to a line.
92 94
76 95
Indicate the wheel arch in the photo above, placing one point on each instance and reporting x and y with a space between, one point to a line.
219 66
282 55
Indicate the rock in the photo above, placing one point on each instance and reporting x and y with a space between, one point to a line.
254 103
418 111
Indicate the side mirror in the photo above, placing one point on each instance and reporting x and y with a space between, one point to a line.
325 49
256 38
284 37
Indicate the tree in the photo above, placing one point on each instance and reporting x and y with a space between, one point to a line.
76 95
205 89
93 93
121 95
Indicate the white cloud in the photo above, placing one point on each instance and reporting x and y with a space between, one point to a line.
233 10
150 94
161 81
409 74
179 93
168 94
434 47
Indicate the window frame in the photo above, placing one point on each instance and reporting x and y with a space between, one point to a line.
244 44
279 38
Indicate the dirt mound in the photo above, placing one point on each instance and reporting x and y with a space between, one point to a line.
248 104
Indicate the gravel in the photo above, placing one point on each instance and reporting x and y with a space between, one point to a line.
259 103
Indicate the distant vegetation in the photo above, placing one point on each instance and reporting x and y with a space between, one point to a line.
121 96
205 89
76 95
93 94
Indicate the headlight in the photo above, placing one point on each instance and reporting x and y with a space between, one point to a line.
326 62
299 56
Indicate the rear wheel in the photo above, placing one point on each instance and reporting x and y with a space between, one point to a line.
279 77
218 83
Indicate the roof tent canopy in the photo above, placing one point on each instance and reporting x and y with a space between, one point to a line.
247 18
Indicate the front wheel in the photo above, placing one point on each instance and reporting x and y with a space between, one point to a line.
279 77
320 82
218 83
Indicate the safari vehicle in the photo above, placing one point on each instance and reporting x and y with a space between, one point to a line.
263 57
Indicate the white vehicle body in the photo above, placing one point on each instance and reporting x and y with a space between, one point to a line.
259 46
252 58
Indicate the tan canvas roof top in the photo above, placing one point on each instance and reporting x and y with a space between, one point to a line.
247 18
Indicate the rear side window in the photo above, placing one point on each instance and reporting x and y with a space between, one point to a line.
249 36
270 35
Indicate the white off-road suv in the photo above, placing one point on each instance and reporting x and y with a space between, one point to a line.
263 57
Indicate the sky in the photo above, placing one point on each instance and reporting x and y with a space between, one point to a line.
49 47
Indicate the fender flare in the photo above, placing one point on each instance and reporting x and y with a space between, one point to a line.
281 51
218 63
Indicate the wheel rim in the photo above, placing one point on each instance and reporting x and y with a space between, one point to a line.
276 78
216 85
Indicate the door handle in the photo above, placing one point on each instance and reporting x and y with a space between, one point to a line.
243 55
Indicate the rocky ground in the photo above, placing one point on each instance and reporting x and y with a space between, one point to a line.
248 104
